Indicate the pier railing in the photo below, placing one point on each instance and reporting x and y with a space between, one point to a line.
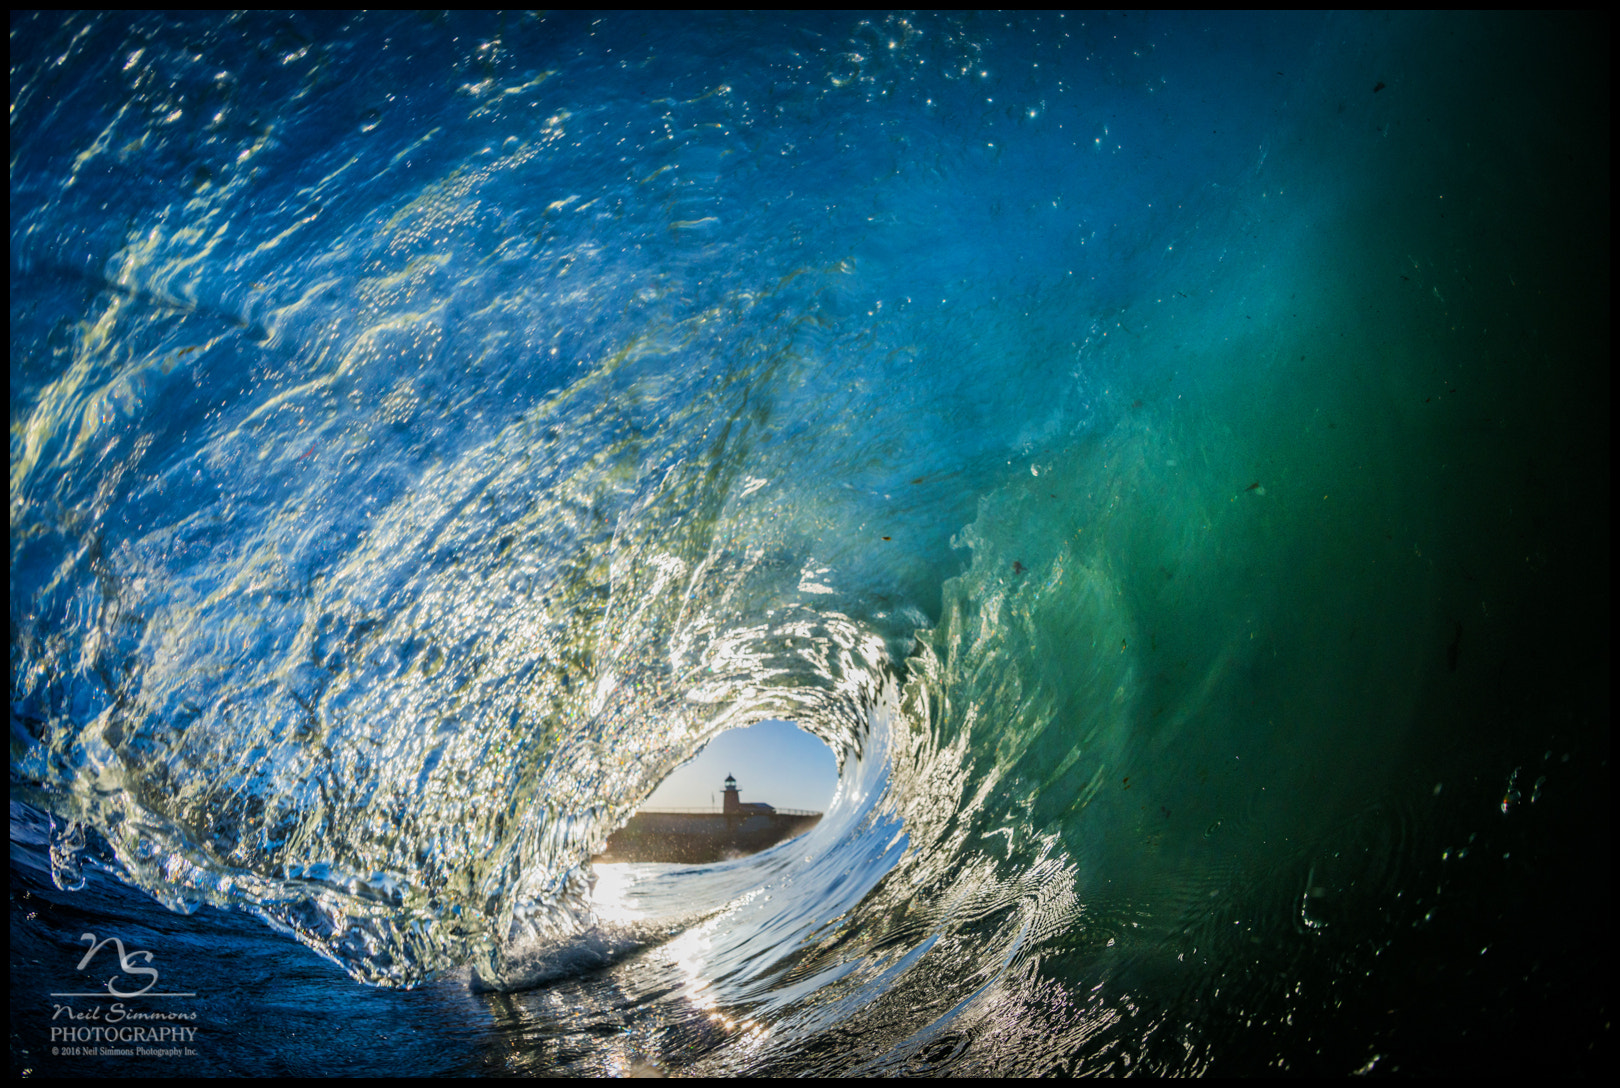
712 811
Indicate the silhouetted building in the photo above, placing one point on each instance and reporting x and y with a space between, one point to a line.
733 805
694 838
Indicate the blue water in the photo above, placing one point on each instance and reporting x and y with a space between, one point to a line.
1164 457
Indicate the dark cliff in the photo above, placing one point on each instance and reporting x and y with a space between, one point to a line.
694 838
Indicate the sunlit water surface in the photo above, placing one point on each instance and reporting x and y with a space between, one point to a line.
1165 457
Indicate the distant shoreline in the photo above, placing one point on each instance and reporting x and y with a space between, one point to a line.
696 837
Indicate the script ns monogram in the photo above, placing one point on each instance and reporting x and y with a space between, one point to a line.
125 964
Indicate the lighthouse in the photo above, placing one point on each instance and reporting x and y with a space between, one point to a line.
694 838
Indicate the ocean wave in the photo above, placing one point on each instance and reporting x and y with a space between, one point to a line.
420 450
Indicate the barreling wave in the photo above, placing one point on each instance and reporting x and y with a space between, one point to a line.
418 450
376 570
396 713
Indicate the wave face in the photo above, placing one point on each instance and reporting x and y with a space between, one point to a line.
1165 458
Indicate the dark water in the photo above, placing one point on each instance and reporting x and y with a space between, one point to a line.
1165 457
